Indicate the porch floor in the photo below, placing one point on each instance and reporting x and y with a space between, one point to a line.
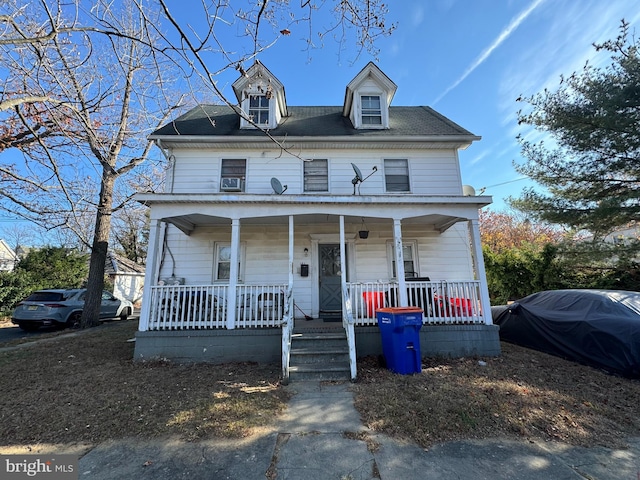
316 325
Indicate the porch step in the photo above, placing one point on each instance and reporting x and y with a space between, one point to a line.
318 373
313 340
319 356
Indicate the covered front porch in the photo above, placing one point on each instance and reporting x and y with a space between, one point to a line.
284 240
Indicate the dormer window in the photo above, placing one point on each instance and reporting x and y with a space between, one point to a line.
261 97
371 110
368 99
259 109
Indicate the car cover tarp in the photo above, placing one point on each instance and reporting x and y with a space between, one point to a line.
594 327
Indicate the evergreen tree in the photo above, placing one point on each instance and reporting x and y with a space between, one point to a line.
592 176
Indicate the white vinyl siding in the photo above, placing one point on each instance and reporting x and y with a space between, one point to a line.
316 176
431 173
396 175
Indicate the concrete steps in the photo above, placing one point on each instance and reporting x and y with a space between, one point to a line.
319 356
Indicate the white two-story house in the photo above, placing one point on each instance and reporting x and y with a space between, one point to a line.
314 220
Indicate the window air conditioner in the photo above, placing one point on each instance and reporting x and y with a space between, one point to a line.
231 184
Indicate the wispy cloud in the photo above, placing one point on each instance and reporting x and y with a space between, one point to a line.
564 47
515 23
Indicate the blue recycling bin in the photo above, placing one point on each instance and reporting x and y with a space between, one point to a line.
400 332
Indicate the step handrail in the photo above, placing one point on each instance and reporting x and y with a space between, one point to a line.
287 332
348 324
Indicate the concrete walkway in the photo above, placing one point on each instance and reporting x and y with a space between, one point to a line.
321 437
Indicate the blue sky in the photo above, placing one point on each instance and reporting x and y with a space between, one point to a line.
468 59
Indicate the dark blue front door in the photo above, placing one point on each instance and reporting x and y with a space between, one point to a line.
330 280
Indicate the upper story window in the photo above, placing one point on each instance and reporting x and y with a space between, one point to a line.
316 176
232 174
261 97
396 175
259 109
371 110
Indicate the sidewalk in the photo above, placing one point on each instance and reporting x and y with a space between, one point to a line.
320 437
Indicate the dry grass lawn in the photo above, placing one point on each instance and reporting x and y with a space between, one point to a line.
86 389
522 394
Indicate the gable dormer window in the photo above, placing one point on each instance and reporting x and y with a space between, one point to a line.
371 110
259 109
368 98
261 97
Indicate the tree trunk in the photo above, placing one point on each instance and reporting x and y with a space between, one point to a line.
95 283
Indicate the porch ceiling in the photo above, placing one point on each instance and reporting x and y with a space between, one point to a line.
188 211
187 223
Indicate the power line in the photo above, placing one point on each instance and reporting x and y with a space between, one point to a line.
482 190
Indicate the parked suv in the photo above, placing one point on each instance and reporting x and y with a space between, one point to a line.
63 308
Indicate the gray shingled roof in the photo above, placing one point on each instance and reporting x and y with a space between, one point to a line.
221 120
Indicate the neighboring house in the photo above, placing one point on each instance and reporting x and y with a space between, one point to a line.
8 258
127 277
364 209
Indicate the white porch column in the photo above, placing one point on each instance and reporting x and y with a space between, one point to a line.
343 259
151 272
291 253
397 242
478 261
233 274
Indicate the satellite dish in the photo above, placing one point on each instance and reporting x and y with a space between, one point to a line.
277 186
468 191
359 178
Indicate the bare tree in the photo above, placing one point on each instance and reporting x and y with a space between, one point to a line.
204 51
18 235
83 89
82 84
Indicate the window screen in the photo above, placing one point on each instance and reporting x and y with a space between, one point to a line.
316 176
396 175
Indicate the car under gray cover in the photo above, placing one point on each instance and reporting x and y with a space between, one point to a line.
600 328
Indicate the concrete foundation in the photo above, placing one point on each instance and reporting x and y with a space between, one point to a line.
265 345
452 341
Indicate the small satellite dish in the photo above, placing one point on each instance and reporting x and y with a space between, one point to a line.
277 186
359 178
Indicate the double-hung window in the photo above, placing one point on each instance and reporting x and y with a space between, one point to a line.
371 110
316 176
409 250
222 266
232 174
259 109
396 175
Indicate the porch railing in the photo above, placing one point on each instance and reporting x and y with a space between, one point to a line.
182 307
442 302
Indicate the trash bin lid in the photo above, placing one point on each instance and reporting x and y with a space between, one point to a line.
400 310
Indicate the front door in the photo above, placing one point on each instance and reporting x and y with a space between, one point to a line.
330 281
